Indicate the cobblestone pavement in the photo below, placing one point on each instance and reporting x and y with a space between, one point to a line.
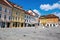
30 33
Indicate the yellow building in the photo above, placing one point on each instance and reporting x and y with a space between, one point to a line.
17 16
49 20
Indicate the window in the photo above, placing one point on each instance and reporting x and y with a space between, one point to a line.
9 17
4 16
17 13
5 9
0 8
27 20
10 12
0 15
13 18
16 18
27 16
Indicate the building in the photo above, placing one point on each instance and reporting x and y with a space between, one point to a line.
11 15
5 13
35 17
17 16
31 19
59 22
49 20
27 19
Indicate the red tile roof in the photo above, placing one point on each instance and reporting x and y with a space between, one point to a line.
49 16
10 4
4 3
14 5
28 13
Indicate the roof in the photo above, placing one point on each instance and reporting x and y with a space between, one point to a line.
10 4
34 12
26 12
48 16
14 5
4 2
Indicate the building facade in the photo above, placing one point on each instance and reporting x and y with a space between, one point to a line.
49 20
11 15
59 22
34 17
17 16
5 14
27 21
31 19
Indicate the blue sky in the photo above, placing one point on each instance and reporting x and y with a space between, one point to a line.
40 5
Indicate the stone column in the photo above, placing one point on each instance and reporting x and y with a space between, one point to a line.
49 25
52 25
11 25
19 24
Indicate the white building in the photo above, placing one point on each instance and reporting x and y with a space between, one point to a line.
5 13
31 19
28 18
35 17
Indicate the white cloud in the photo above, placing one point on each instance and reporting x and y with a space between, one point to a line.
57 14
47 7
36 11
